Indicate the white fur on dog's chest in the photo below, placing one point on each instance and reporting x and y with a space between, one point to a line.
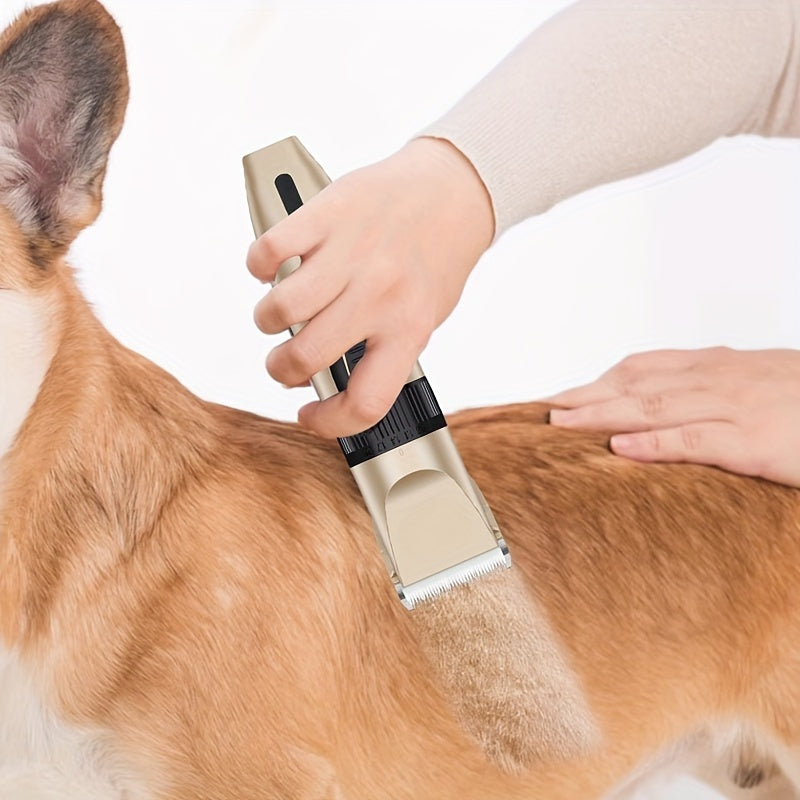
44 758
26 349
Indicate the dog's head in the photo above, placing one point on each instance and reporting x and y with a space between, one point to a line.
63 92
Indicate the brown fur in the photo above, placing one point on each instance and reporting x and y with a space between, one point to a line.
204 583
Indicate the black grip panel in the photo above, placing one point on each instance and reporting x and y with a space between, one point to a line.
414 414
287 189
340 371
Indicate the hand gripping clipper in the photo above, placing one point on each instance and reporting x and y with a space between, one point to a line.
433 525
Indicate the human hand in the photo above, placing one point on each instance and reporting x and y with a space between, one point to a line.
386 251
739 410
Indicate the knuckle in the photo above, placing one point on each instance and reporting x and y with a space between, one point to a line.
415 318
368 409
386 284
278 311
268 247
691 438
305 356
651 405
262 317
253 262
259 261
414 335
630 362
624 386
624 377
261 322
337 197
273 363
651 444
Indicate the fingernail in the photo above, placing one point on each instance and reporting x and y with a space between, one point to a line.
622 441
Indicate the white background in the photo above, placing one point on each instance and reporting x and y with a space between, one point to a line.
704 252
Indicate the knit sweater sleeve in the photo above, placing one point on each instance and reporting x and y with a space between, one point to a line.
611 88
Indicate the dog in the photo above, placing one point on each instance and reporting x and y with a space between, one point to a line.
192 604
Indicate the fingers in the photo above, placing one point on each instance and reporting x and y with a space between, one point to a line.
595 392
297 235
299 297
734 409
643 412
373 387
715 443
328 335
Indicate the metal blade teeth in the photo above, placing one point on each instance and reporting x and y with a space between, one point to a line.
430 588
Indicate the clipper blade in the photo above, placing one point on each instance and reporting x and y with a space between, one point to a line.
430 588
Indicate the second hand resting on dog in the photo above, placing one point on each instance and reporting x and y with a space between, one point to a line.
388 248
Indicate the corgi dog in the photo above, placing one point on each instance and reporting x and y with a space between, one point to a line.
192 605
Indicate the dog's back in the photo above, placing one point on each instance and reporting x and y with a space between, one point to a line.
191 601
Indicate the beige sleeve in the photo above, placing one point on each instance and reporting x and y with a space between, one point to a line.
611 88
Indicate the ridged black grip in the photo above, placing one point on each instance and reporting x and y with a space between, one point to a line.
414 414
340 371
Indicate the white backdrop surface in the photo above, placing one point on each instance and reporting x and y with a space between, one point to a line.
706 251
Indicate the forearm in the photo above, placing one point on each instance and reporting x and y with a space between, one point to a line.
612 88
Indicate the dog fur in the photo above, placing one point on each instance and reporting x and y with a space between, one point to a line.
192 605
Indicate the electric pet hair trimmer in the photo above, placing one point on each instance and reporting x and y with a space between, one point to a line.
433 525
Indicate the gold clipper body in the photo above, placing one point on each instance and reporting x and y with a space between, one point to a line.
433 525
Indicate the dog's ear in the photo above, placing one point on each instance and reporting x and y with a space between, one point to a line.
63 93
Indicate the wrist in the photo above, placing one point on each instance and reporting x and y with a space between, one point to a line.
457 189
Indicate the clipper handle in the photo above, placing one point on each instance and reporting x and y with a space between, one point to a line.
279 179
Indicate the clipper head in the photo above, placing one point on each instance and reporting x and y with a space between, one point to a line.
432 523
278 179
433 526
